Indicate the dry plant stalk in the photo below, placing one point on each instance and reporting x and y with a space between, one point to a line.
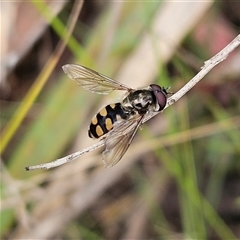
21 112
208 65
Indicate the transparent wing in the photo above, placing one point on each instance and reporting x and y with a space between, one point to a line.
92 80
118 140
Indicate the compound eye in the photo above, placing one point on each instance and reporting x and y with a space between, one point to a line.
160 95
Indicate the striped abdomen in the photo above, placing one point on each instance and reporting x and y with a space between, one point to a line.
103 122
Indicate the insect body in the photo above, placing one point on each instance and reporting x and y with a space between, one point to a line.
103 122
117 122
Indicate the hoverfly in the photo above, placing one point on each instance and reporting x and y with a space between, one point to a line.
117 123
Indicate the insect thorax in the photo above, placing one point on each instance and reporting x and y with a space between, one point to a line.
139 101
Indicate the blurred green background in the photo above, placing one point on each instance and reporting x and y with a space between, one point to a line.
180 179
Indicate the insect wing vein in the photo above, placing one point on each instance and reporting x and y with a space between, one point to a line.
92 80
118 140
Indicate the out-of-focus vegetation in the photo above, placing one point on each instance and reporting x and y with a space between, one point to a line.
181 176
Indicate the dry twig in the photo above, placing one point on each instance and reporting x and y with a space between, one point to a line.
208 65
